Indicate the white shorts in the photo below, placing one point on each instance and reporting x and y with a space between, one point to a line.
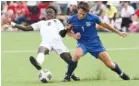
56 45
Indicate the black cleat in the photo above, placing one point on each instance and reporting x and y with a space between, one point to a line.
35 63
125 76
75 78
66 79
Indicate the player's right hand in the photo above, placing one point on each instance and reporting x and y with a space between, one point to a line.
69 26
123 34
77 36
13 24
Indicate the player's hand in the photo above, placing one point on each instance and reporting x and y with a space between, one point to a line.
77 36
68 26
13 24
123 34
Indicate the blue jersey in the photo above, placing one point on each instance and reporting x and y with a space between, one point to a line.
87 28
89 41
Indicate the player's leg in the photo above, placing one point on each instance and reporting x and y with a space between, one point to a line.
64 53
66 56
45 48
62 50
80 51
40 57
73 64
105 58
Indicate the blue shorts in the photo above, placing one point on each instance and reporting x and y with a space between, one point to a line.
93 50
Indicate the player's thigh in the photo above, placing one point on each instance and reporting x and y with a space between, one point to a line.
78 54
105 58
80 51
45 47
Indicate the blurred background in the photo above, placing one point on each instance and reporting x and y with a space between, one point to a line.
123 15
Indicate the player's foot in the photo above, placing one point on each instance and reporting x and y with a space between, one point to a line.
125 76
66 79
35 63
75 78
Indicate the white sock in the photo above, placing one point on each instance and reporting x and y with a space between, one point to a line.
40 58
114 64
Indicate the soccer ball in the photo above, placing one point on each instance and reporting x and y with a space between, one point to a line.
45 76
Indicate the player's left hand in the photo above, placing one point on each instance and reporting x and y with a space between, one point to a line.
123 34
77 36
68 26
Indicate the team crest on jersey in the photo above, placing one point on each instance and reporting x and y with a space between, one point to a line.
88 24
49 23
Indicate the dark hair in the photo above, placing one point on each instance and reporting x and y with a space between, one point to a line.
52 7
8 2
46 1
83 5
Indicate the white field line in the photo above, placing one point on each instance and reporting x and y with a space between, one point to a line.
29 51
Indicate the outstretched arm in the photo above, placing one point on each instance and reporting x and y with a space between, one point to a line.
24 28
111 28
99 27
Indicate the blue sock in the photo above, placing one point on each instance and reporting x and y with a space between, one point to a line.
71 67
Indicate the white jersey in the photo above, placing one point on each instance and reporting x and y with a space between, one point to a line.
49 29
51 38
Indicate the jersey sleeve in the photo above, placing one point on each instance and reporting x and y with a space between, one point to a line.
36 26
97 20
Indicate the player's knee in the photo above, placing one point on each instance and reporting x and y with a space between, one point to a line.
78 54
46 51
66 57
109 64
43 50
76 58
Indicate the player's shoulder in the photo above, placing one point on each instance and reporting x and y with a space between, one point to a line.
72 18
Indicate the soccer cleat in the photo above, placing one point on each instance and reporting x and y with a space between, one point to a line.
35 63
75 78
66 79
125 76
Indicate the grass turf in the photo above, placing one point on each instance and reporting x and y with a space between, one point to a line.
16 47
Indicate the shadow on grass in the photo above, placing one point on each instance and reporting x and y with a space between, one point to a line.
135 78
97 77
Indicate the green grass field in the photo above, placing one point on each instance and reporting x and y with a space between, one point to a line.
17 70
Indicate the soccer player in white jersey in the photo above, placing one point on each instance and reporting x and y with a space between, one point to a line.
51 31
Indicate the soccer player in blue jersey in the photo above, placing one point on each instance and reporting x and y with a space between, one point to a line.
82 28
